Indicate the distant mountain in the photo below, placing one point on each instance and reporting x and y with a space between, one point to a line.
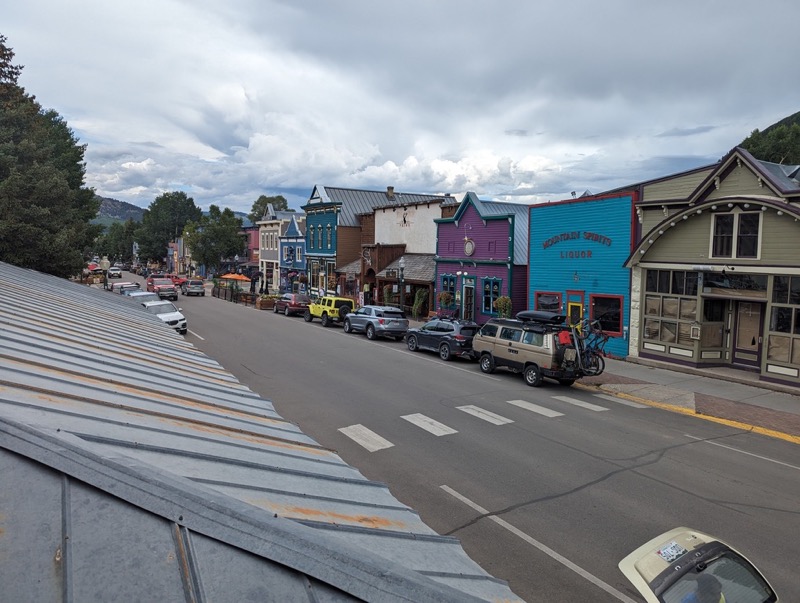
112 210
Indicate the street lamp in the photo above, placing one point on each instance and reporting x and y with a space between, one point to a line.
402 265
235 264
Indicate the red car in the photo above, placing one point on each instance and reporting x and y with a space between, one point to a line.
177 280
163 287
291 303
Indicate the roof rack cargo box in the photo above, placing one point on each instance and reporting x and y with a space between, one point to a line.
550 318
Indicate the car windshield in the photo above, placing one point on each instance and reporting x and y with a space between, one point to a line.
162 281
728 575
195 283
161 308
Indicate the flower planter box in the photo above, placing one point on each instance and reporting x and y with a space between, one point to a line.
265 303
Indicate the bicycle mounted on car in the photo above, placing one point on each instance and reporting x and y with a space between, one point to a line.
539 344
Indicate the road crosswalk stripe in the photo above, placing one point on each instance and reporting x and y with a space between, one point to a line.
429 425
536 408
366 438
621 401
581 403
485 415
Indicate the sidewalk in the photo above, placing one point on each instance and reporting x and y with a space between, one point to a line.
723 394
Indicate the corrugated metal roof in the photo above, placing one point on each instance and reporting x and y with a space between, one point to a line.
355 202
134 467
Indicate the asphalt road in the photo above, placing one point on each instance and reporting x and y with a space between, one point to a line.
549 502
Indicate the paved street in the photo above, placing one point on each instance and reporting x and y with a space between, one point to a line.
546 487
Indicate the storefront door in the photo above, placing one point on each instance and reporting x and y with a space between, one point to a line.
747 334
469 299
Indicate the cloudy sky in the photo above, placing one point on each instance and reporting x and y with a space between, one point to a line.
516 100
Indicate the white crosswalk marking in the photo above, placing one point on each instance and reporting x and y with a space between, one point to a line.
581 403
622 401
485 415
429 425
536 408
366 438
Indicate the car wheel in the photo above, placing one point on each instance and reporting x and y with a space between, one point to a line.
444 352
411 342
203 294
307 316
275 309
487 363
286 311
325 320
348 328
566 382
533 376
370 332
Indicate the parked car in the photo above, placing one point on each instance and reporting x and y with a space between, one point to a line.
163 287
193 286
119 287
329 309
377 321
176 279
537 344
142 296
114 272
448 336
169 314
291 303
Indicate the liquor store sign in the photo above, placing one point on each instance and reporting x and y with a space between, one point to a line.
582 236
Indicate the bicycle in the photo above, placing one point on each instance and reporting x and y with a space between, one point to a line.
590 341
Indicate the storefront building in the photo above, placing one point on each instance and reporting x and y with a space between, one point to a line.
576 261
481 255
716 275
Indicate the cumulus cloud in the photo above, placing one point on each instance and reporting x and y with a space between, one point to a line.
520 102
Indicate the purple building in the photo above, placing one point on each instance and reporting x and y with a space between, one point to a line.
482 254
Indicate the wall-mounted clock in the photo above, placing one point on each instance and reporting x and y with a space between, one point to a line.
469 246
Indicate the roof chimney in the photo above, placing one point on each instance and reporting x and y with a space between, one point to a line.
390 192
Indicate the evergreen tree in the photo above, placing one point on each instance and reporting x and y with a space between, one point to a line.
45 210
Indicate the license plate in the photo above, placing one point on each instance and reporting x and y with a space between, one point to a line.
671 552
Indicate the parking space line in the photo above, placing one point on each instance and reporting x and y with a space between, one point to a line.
485 415
366 438
622 401
536 408
429 425
581 403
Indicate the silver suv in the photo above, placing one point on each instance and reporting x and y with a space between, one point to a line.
377 321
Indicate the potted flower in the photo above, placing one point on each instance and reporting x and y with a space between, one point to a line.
445 299
503 306
266 302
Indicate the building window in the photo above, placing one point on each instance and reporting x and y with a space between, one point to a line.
736 235
670 306
783 344
298 254
607 309
319 237
547 301
491 291
449 284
